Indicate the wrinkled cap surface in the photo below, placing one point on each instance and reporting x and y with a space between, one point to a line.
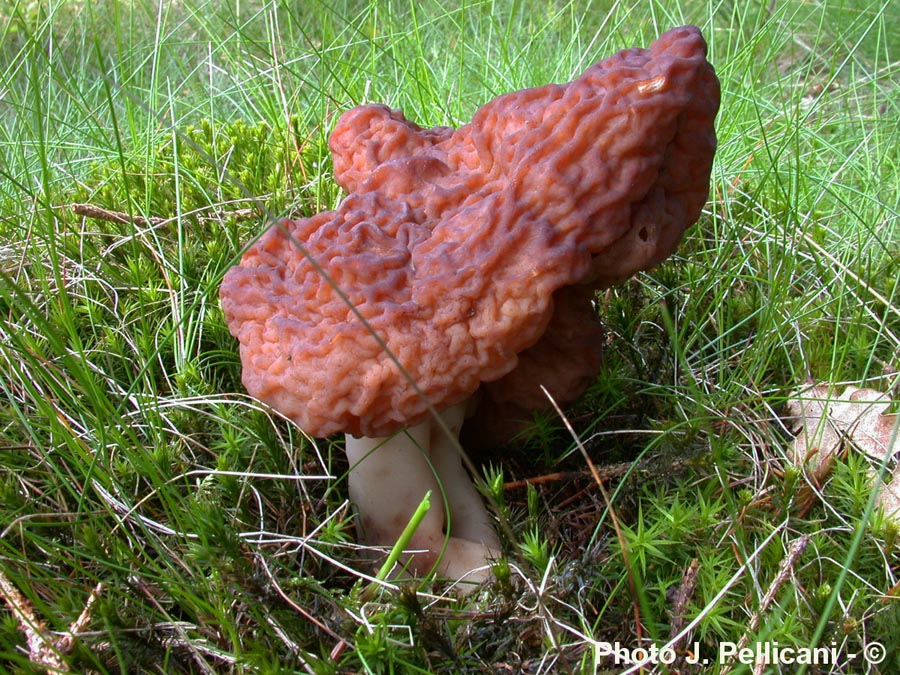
451 243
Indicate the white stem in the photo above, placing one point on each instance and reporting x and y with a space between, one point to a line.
468 517
390 476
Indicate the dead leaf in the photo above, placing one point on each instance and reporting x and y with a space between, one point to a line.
826 424
888 499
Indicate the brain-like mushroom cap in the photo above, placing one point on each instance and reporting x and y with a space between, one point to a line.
453 242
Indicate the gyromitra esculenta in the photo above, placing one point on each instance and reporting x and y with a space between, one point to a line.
472 254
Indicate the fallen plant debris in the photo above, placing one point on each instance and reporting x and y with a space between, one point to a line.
99 213
680 598
827 426
605 473
44 650
785 572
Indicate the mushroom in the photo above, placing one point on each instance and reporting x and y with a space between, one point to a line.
460 265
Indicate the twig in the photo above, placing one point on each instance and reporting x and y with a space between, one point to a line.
293 605
108 215
607 472
785 570
680 599
716 599
99 213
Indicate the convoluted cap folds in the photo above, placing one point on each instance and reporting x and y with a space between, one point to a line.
452 243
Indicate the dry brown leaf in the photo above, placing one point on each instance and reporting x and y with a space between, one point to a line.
827 424
888 499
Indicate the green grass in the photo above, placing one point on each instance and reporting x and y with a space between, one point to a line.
216 538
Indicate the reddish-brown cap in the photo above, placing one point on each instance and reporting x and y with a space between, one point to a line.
452 243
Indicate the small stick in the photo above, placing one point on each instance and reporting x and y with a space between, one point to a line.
546 478
237 214
605 473
99 213
680 599
784 572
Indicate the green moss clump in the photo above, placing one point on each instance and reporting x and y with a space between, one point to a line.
208 167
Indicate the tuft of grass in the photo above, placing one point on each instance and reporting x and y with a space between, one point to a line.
210 535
